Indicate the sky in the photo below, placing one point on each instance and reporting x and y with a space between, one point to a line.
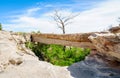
35 15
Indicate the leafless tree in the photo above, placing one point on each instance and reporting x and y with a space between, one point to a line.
61 20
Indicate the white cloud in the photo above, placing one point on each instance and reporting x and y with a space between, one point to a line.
95 19
33 10
98 18
28 24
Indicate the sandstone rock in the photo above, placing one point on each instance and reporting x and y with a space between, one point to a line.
107 44
17 63
81 37
115 29
76 40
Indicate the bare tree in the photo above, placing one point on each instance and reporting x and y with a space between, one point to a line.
62 21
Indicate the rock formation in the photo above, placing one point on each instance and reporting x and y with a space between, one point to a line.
95 67
106 43
16 61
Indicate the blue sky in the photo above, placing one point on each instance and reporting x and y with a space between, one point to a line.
17 6
34 15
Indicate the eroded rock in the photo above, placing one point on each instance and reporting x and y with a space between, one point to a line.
107 44
22 63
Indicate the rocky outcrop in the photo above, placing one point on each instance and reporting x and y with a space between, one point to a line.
16 61
106 43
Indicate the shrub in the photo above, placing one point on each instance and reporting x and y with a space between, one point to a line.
56 55
0 26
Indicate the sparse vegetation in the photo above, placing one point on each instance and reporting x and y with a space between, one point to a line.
0 26
56 55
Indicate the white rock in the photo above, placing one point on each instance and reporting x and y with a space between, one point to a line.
16 63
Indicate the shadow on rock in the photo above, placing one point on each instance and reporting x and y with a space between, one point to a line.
94 67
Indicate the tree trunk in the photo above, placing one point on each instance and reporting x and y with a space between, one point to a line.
64 47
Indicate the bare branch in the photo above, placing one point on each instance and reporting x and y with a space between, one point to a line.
62 21
67 23
60 27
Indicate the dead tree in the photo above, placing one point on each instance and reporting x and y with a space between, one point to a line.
62 21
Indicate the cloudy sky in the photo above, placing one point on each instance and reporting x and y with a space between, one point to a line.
35 15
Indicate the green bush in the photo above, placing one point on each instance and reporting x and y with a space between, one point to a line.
0 26
56 55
